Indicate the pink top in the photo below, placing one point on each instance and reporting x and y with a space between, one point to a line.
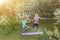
36 20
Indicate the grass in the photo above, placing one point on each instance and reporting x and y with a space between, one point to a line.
16 33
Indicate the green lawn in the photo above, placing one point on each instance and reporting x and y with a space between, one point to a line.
16 34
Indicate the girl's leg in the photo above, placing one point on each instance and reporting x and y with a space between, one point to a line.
24 30
36 27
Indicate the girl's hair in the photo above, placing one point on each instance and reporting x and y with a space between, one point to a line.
36 14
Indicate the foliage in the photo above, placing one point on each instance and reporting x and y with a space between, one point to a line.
46 8
25 10
57 15
55 34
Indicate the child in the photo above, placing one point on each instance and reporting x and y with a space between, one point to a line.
24 25
36 21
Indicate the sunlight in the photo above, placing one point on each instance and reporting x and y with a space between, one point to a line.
1 2
5 1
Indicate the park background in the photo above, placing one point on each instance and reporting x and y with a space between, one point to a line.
12 11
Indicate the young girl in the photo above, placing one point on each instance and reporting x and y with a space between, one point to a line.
36 21
24 25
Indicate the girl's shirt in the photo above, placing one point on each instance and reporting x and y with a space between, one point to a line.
36 19
24 23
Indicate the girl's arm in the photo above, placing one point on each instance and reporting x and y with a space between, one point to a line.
42 18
